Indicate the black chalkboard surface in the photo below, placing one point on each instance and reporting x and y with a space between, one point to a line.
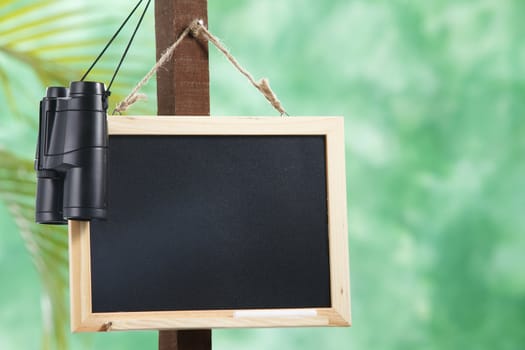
216 217
234 222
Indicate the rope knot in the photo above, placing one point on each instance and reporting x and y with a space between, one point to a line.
106 327
264 87
195 27
128 101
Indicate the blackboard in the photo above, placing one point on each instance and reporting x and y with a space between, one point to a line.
234 218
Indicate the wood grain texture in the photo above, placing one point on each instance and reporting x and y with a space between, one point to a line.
191 320
337 221
84 320
183 84
79 272
166 125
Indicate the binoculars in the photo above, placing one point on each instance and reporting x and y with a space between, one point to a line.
71 155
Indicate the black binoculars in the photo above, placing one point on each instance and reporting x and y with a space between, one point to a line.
71 155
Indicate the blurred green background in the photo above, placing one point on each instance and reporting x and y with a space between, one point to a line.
433 98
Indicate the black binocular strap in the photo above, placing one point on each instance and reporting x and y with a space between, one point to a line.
114 37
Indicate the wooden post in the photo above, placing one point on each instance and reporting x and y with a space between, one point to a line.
185 340
182 89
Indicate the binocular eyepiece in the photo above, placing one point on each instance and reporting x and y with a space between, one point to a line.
71 155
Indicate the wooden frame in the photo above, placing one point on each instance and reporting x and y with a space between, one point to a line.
84 320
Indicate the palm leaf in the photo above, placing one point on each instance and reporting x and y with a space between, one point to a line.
47 246
52 43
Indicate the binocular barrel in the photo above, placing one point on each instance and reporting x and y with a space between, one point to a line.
71 160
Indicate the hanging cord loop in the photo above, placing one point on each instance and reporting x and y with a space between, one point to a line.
196 29
127 47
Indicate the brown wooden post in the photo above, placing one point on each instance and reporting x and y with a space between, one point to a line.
182 89
185 340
